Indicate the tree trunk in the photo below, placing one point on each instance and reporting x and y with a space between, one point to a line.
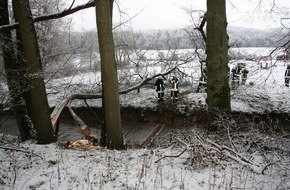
218 91
13 73
110 90
37 99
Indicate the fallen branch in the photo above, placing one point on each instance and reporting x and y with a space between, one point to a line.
171 156
188 147
238 158
223 150
145 81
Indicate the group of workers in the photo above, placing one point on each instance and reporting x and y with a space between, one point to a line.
160 87
238 74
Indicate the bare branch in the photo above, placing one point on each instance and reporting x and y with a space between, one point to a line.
200 27
172 156
71 4
128 20
64 13
283 22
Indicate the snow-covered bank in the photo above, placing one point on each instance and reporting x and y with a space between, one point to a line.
190 160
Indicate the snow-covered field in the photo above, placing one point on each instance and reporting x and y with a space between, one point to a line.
264 91
251 155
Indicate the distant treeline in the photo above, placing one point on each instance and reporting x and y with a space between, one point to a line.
186 38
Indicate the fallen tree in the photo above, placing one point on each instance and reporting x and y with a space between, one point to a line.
59 108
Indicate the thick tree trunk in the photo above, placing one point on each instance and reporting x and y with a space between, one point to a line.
110 90
13 75
37 99
218 91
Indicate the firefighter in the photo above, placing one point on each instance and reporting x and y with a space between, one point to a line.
243 75
174 89
287 75
234 74
203 79
159 87
239 72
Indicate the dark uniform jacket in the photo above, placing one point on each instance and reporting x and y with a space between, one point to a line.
159 85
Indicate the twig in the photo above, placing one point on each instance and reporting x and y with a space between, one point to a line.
171 156
222 147
182 141
230 139
265 167
240 159
20 150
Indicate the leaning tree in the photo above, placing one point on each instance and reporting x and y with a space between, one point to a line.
36 100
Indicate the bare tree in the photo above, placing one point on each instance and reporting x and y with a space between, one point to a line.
14 72
218 90
111 104
37 99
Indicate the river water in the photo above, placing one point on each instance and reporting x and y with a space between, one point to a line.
134 133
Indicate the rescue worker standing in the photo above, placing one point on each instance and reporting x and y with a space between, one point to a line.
287 75
235 72
174 89
243 76
159 87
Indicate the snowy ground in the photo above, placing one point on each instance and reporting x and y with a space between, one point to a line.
249 161
246 155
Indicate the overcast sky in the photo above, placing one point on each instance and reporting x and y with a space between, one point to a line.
160 14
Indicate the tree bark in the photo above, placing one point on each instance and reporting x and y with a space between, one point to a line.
110 92
218 91
13 76
84 129
37 103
